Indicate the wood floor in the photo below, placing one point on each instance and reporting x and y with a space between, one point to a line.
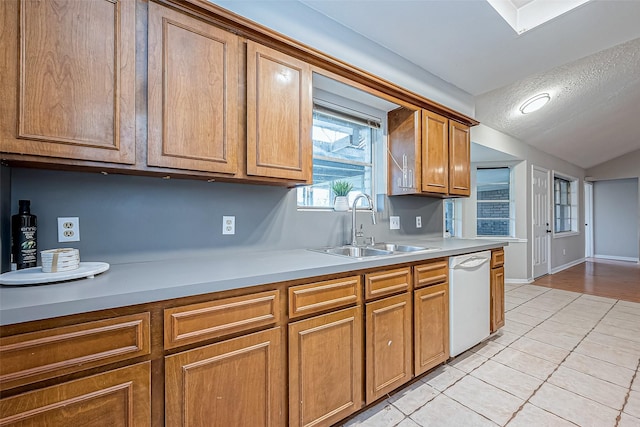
604 278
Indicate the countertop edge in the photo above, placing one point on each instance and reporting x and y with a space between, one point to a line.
22 311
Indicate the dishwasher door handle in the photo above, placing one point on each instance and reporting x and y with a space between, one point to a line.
472 262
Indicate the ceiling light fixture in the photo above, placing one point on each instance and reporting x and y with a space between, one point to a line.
535 103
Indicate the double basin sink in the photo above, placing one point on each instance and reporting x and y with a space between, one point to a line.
377 250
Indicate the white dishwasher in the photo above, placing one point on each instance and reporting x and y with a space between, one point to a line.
469 293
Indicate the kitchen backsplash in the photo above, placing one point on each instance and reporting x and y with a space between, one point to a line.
133 218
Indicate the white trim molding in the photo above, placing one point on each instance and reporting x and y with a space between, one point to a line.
618 258
559 268
518 281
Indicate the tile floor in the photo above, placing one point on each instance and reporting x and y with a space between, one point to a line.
562 359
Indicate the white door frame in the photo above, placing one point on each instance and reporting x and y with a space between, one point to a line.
588 219
547 172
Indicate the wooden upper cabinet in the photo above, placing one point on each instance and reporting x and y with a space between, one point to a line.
67 80
459 159
193 93
404 160
279 115
429 154
435 153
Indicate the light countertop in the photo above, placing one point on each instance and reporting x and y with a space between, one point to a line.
145 282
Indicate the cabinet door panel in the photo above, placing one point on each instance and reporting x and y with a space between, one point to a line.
279 115
68 82
193 93
404 161
431 317
388 349
325 368
238 382
459 159
121 397
435 153
497 298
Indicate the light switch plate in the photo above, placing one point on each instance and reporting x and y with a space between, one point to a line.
394 223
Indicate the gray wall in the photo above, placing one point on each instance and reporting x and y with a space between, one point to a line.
5 220
615 219
133 218
565 251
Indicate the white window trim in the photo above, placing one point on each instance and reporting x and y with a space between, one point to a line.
457 219
512 201
575 186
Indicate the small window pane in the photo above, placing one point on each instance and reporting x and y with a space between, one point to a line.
565 209
489 227
494 207
342 151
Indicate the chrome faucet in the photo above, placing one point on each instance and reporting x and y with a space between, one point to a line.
354 233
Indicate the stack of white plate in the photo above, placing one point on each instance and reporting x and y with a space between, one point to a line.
57 260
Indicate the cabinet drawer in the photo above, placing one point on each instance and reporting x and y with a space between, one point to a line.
198 322
387 282
497 258
37 356
431 273
321 296
121 397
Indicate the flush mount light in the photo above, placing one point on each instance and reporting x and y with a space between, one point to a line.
535 103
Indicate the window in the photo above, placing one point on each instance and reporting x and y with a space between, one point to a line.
565 204
452 226
495 216
343 148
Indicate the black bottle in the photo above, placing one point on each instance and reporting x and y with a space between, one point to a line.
24 236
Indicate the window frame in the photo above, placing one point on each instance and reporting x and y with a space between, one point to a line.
574 204
511 202
362 119
456 220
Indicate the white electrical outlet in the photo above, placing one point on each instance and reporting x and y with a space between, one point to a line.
394 223
228 225
69 229
418 222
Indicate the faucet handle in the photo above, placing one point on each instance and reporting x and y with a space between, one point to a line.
371 241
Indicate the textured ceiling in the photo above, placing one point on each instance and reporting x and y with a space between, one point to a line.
593 113
581 56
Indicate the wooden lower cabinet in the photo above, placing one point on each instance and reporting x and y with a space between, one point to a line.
121 397
325 368
238 382
388 345
497 298
431 323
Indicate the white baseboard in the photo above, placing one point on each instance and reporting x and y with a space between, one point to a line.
518 281
568 265
618 258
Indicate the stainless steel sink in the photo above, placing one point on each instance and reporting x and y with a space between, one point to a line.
377 250
400 248
357 251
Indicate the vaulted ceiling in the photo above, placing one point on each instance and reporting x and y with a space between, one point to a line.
588 59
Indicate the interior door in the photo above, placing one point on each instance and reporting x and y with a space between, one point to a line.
588 219
541 221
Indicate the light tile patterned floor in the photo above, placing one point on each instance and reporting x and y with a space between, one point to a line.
562 359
